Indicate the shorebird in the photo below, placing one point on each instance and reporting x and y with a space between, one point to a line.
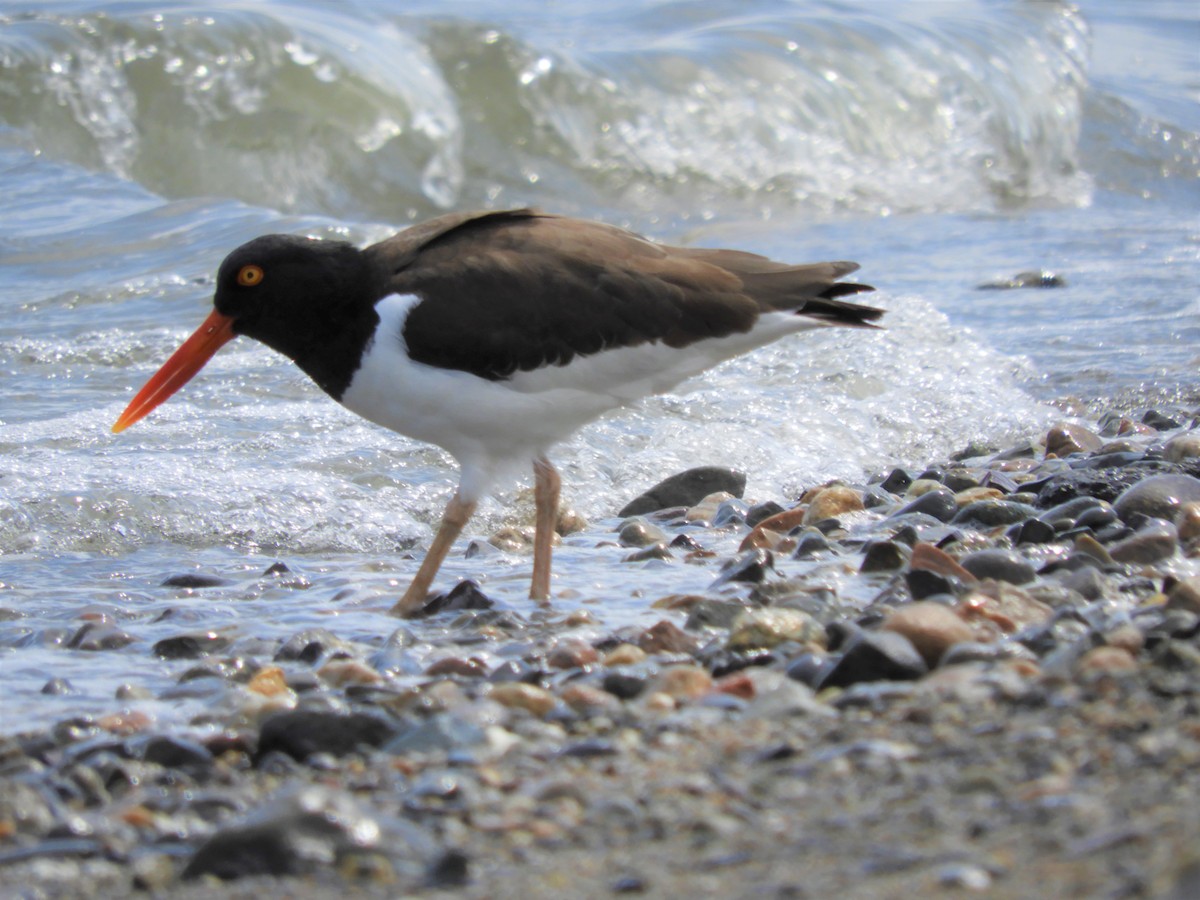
496 335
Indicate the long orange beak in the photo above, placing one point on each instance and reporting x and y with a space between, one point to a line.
215 333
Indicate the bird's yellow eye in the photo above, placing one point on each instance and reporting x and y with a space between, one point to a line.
250 276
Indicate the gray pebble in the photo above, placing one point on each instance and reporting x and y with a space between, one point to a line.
1001 565
1159 496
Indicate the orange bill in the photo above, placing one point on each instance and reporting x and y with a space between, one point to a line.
189 359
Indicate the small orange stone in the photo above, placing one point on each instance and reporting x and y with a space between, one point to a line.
268 681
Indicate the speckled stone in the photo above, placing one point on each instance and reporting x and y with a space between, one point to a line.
770 627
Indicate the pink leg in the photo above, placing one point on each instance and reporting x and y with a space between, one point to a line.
546 487
456 516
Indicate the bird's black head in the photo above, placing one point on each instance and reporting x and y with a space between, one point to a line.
311 300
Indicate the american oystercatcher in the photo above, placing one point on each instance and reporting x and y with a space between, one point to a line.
497 334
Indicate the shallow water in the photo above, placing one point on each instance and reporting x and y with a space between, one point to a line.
943 145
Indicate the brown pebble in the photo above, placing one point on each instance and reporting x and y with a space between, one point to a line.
1066 438
738 684
835 500
129 722
666 637
456 665
1005 605
571 653
970 495
1187 520
1127 637
584 698
1106 660
624 655
569 521
930 627
1085 543
530 697
683 682
933 559
345 672
268 681
1185 594
780 523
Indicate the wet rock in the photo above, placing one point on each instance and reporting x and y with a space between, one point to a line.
930 627
98 636
299 832
1039 278
750 567
58 687
1185 595
629 654
686 489
1187 521
665 637
965 652
195 581
571 653
831 502
309 645
884 556
939 503
762 511
529 697
1066 438
1106 660
658 551
1002 565
1107 484
172 752
640 533
770 627
191 646
709 613
303 733
440 733
876 656
1031 531
1155 542
457 666
1182 447
465 595
897 481
1159 496
994 513
810 544
683 682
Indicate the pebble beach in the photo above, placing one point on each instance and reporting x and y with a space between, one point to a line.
980 677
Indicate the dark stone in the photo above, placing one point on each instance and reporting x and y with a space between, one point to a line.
897 481
751 567
761 511
95 636
627 682
1001 565
277 568
303 832
938 503
876 656
301 733
686 489
463 596
885 556
58 687
450 870
993 513
810 544
810 668
1031 531
933 473
923 583
307 646
1160 422
194 580
654 551
639 533
960 480
685 542
172 752
1102 484
665 637
515 670
191 646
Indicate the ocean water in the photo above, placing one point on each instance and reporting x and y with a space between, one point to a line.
944 145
